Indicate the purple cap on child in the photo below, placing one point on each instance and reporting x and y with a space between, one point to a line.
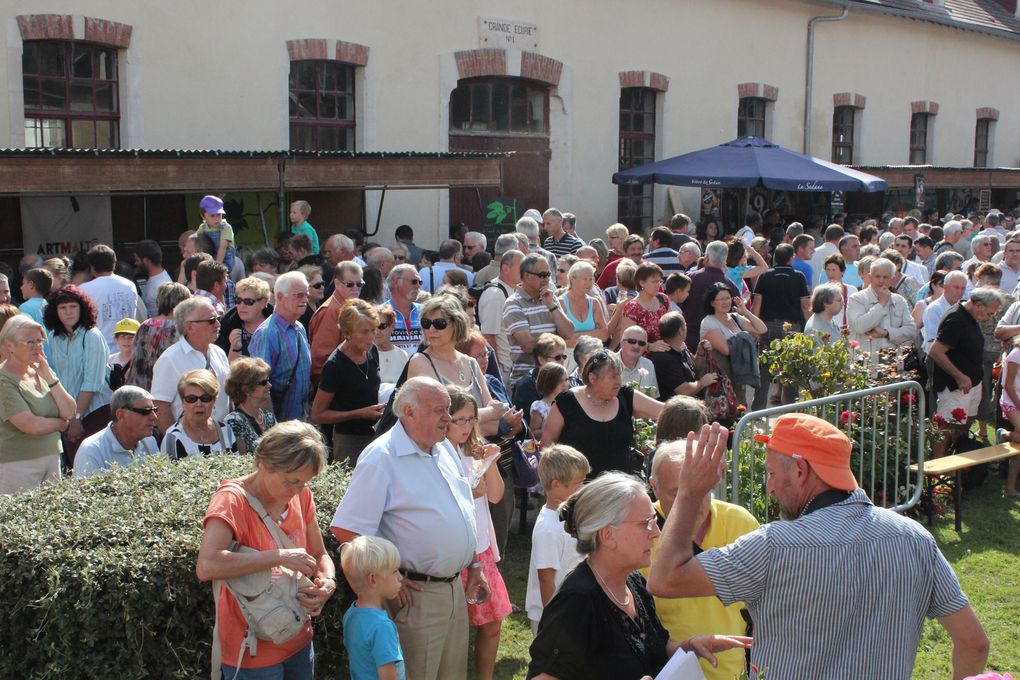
212 205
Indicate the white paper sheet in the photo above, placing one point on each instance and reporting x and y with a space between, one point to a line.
681 666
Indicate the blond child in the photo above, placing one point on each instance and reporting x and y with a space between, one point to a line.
550 382
372 568
219 231
562 470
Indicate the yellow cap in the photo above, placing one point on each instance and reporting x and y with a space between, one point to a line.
129 326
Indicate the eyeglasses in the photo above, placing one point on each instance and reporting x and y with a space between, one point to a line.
354 284
635 341
211 321
142 411
318 285
249 302
541 275
34 343
649 523
440 323
412 282
263 382
384 326
191 398
400 258
464 421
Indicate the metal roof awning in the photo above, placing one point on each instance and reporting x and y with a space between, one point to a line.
63 171
902 176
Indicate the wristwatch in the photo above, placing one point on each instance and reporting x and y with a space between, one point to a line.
77 416
552 309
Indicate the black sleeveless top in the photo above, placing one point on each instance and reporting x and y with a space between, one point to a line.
606 445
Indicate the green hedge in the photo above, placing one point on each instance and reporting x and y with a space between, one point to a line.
97 575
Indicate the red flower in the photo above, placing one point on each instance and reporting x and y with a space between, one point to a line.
855 344
741 408
959 414
847 417
909 399
939 420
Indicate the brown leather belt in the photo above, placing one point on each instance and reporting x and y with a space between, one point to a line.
415 576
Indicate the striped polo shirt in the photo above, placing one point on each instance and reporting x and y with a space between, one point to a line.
523 313
842 592
568 244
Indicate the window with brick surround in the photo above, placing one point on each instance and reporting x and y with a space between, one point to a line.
843 134
751 117
919 123
982 136
71 95
637 147
322 106
499 106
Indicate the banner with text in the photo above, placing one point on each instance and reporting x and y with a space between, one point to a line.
63 225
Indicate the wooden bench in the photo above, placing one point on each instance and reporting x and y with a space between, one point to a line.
948 470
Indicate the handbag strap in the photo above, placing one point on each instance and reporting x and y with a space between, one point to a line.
274 529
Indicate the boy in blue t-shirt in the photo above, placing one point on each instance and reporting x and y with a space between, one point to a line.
372 567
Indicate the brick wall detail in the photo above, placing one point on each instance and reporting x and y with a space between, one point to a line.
849 99
46 26
541 68
988 112
104 32
351 53
480 62
924 106
307 49
762 90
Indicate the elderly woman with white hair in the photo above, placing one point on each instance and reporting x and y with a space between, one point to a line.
876 316
602 621
583 309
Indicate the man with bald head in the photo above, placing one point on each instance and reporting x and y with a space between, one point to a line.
408 487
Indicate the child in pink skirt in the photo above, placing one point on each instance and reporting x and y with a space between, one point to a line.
486 611
1010 404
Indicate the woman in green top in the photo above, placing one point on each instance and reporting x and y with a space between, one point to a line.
34 409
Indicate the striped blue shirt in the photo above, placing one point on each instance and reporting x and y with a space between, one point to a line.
284 346
842 592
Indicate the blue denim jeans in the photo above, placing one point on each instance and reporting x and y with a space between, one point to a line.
298 666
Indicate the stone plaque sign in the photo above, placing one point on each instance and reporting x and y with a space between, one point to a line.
499 33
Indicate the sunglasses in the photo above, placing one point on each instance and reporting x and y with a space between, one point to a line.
263 382
354 284
191 399
318 285
413 282
249 302
541 275
211 321
400 258
439 323
384 326
142 411
635 341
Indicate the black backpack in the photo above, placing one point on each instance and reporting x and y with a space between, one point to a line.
476 291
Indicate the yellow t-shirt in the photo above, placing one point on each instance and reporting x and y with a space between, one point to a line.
686 617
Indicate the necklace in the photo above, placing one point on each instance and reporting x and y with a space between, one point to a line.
455 364
597 402
598 577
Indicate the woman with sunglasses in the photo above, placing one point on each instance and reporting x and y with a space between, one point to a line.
597 418
248 388
348 394
445 323
602 623
196 433
392 359
241 321
316 291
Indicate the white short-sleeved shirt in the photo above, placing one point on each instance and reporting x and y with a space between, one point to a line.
115 298
149 290
178 359
490 318
551 548
418 500
102 450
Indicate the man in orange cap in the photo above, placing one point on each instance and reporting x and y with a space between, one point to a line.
840 589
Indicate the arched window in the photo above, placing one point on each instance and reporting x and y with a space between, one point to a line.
71 95
499 106
322 106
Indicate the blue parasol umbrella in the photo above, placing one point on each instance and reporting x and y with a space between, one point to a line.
747 162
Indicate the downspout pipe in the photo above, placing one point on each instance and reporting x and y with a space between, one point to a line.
809 71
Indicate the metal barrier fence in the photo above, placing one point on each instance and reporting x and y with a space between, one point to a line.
886 425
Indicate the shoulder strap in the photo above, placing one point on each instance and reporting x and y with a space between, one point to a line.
274 529
438 377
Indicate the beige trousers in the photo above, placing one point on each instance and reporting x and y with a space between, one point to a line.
433 632
23 475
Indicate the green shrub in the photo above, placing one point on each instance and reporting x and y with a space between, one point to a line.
97 575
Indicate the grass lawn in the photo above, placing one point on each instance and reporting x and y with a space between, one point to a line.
986 557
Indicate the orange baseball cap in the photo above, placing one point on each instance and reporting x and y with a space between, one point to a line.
817 441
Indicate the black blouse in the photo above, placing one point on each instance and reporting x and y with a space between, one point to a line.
353 386
606 445
584 636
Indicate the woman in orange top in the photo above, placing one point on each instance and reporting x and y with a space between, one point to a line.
287 457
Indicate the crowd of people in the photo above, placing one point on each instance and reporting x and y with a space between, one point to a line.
437 376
